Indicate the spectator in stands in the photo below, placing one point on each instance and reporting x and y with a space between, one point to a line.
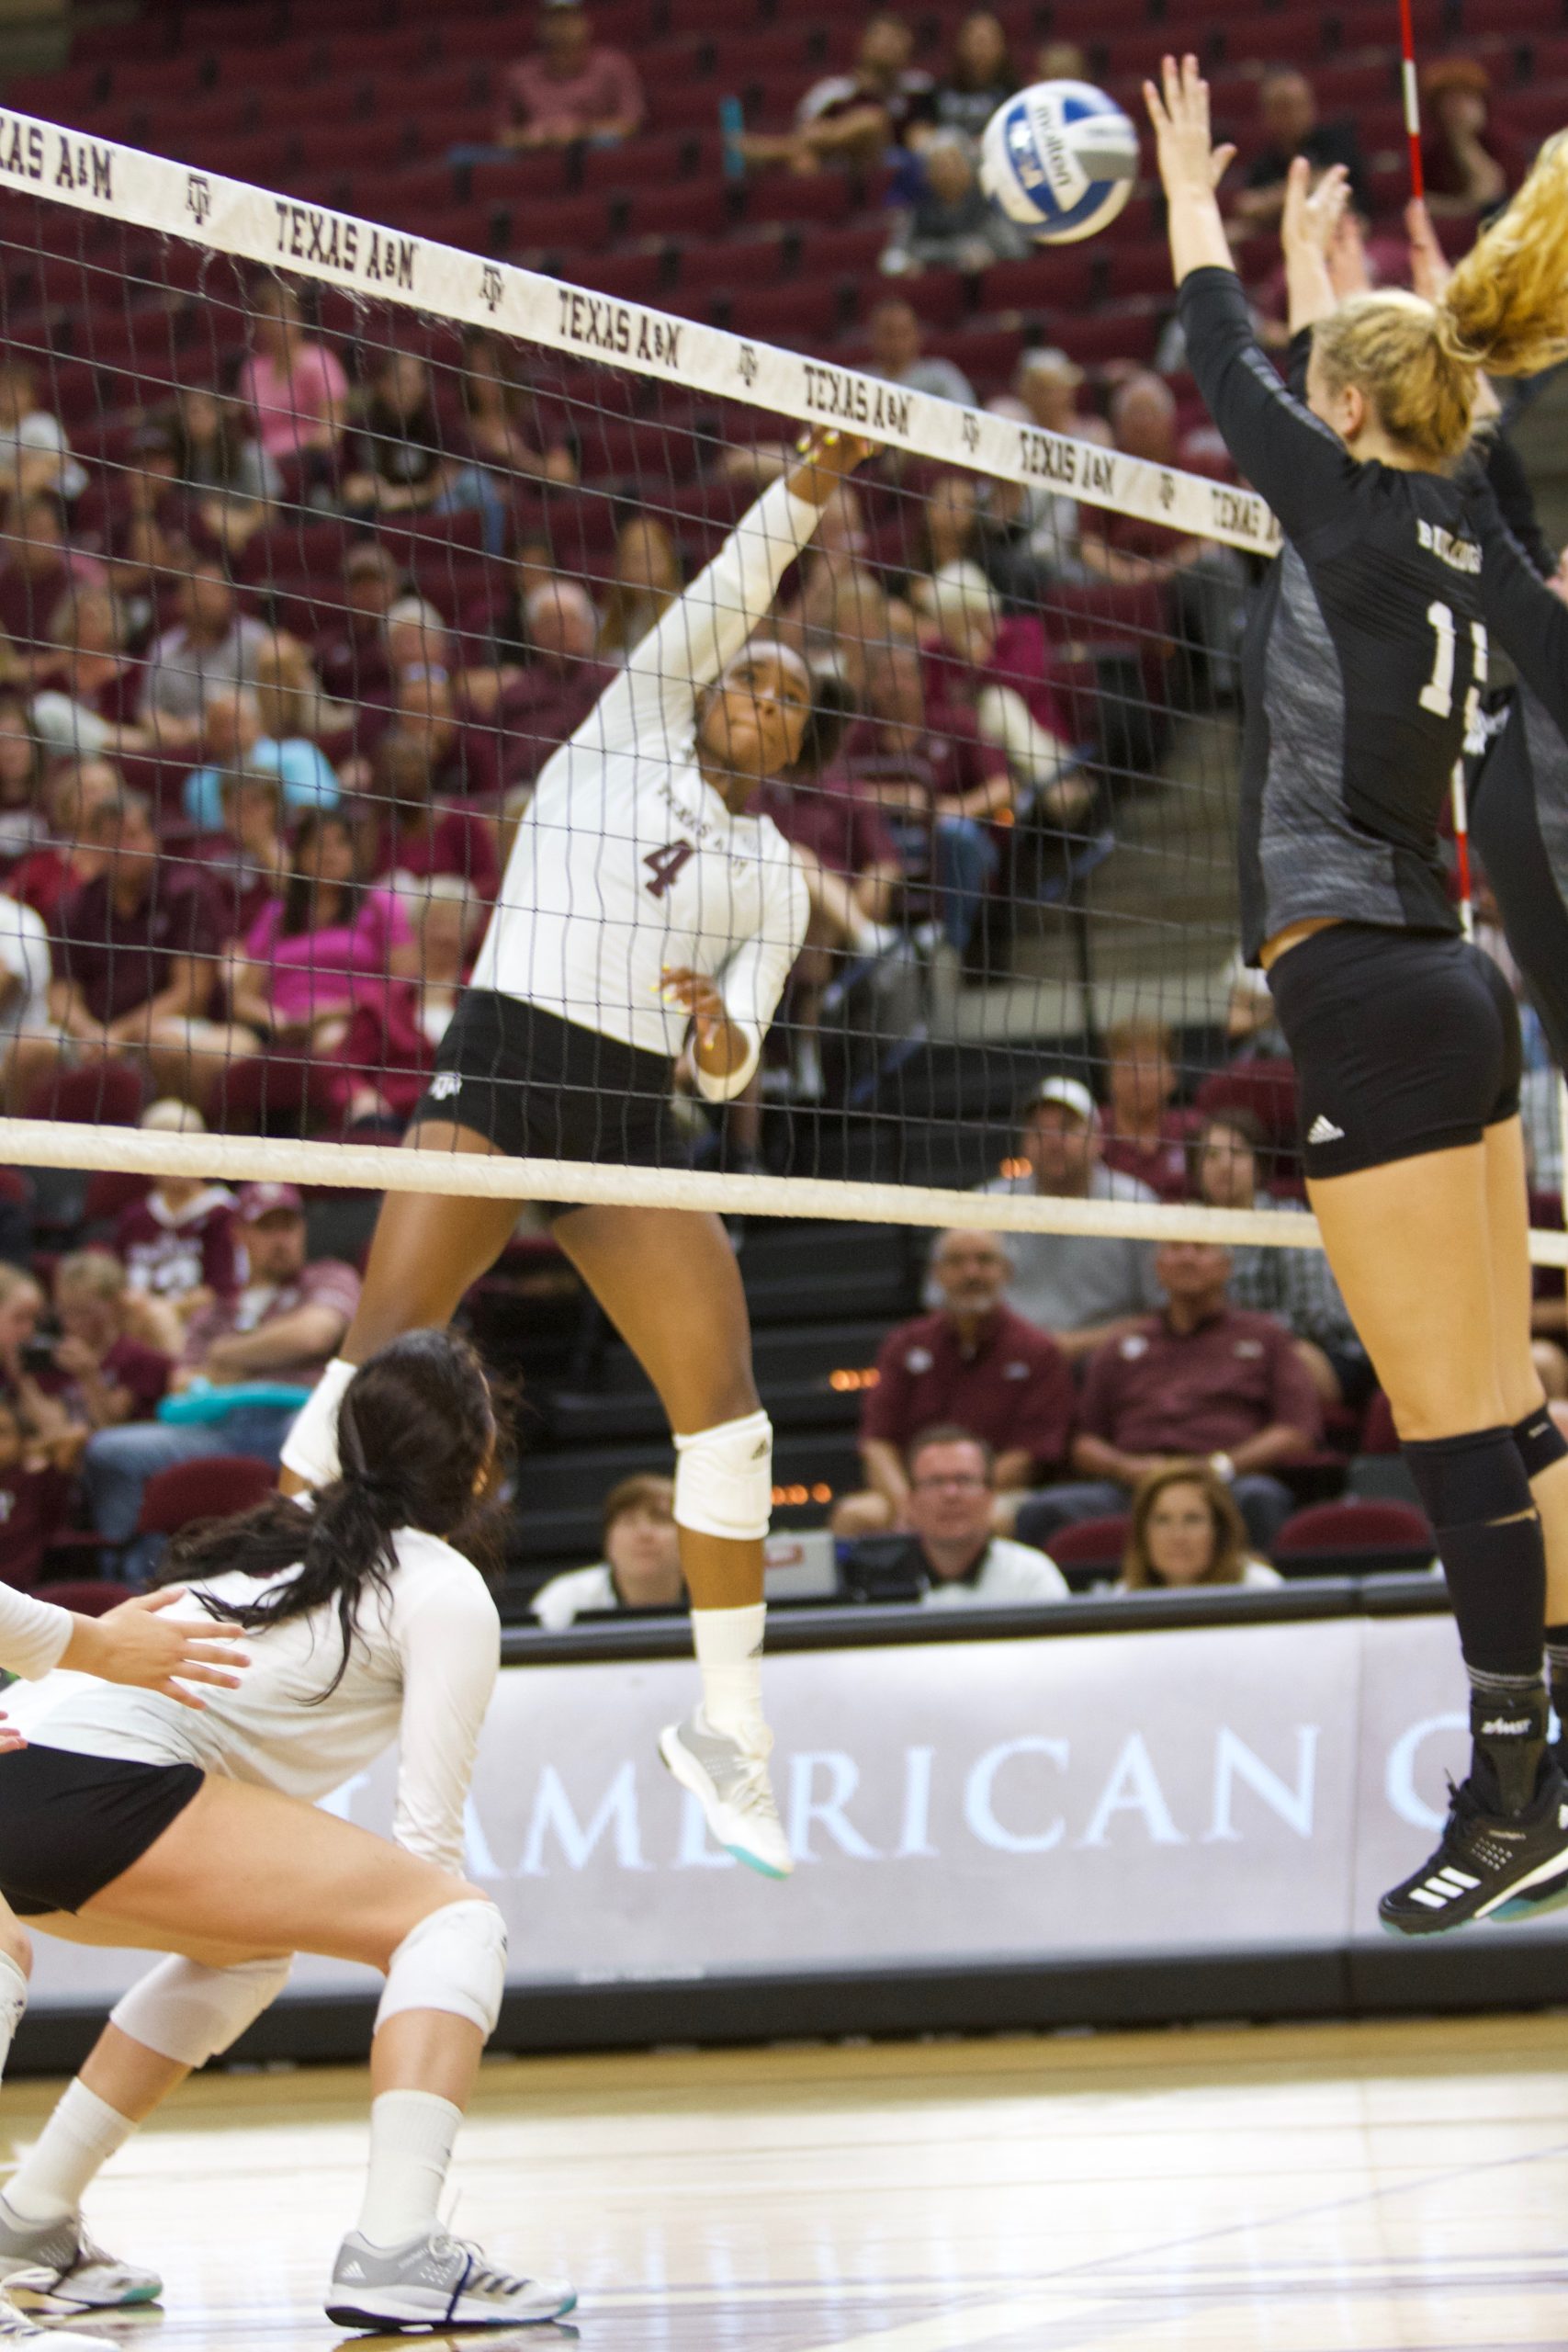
500 418
324 946
34 1497
1295 1286
280 1332
81 801
1468 160
352 657
86 688
1033 533
135 955
572 88
974 1362
980 77
35 454
1204 583
419 642
180 1246
36 567
999 673
463 760
397 461
24 973
1185 1530
951 1555
1083 1288
1141 1134
294 703
233 740
896 355
946 220
46 1430
644 581
246 863
852 120
1287 110
22 822
547 696
1202 1378
99 1373
641 1567
387 1052
295 388
415 834
224 471
213 645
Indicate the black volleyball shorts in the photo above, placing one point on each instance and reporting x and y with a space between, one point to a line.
1404 1042
540 1088
70 1824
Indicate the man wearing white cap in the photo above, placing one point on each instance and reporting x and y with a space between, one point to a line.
1082 1288
266 1347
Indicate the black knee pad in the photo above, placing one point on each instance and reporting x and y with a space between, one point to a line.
1471 1481
1540 1442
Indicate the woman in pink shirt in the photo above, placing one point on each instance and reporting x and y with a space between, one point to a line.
296 388
324 949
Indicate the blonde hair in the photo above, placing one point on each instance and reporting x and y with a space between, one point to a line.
98 1271
1505 309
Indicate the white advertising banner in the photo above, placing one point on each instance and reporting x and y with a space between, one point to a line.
1245 1789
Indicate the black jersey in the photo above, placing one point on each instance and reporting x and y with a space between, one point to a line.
1519 796
1365 651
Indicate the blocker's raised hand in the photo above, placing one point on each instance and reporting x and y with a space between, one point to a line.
1312 215
1189 163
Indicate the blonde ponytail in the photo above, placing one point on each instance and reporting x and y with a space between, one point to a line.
1504 310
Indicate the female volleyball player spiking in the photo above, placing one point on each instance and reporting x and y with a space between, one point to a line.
1366 648
137 1642
128 1821
641 902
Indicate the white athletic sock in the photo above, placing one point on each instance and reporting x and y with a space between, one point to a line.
411 2134
730 1655
13 2002
78 2139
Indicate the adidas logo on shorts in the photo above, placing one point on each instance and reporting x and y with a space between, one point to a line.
1323 1130
444 1085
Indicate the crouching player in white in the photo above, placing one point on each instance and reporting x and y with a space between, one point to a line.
129 1820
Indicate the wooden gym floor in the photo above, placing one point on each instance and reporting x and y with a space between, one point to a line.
1334 2189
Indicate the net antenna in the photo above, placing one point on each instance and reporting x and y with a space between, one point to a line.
444 286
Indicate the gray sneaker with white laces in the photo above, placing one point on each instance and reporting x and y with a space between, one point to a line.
70 2268
435 2281
19 2333
731 1784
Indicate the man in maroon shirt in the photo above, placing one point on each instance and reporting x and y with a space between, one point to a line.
573 87
1202 1381
974 1362
546 699
352 658
1140 1134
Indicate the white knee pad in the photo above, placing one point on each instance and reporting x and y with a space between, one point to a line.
191 2014
13 1999
724 1479
455 1961
310 1447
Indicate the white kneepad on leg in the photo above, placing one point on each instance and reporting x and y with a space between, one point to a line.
455 1961
190 2014
724 1479
310 1448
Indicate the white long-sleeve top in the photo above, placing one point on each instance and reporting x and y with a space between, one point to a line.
421 1670
33 1635
627 861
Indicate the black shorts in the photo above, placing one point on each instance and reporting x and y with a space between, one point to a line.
540 1088
70 1824
1404 1042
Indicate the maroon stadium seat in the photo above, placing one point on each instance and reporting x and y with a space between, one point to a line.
1092 1543
102 1094
1370 1535
212 1487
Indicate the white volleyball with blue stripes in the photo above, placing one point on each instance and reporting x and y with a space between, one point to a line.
1059 159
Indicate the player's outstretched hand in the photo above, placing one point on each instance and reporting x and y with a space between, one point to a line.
1312 215
137 1644
1430 266
1189 163
826 458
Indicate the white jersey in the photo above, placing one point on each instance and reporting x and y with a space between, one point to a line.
627 861
33 1635
421 1670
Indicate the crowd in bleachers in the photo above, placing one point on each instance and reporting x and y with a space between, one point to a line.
296 599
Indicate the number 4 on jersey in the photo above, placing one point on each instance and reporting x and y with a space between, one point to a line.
665 863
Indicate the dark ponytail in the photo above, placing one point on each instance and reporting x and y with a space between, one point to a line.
416 1430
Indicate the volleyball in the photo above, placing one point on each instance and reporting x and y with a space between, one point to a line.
1059 159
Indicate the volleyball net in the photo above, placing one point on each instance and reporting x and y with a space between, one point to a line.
346 577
